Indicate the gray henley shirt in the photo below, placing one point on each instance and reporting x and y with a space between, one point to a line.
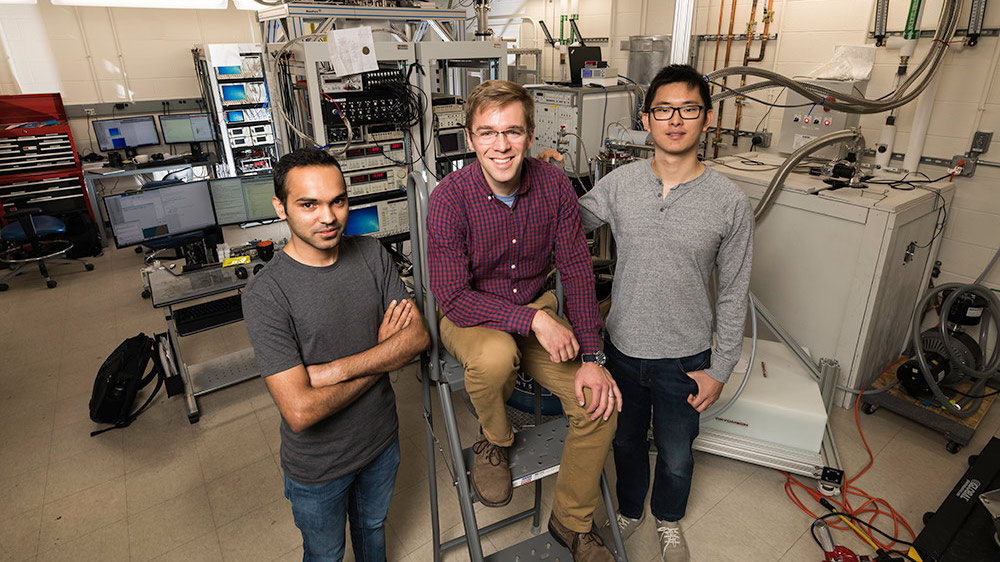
667 248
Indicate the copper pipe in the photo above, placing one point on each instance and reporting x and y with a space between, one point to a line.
767 19
729 47
751 27
715 64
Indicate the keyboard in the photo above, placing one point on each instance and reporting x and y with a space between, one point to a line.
208 315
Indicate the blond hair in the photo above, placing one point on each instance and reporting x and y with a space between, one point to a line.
498 93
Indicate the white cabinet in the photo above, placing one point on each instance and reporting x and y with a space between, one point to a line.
834 268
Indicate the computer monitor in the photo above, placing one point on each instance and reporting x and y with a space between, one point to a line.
138 217
126 133
187 128
362 220
243 199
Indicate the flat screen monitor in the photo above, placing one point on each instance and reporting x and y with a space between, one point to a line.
160 212
129 132
187 128
244 199
362 220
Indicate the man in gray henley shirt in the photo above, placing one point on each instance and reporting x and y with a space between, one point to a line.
674 221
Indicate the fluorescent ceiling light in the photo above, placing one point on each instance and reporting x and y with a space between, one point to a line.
199 4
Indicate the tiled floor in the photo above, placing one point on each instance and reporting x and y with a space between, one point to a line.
163 489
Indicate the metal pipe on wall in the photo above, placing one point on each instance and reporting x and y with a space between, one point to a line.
767 18
751 27
715 62
90 55
717 140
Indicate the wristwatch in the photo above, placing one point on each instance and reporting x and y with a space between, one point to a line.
598 358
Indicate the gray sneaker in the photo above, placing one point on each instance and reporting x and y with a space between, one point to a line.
627 525
673 547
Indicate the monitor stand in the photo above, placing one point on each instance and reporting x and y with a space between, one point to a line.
196 153
131 153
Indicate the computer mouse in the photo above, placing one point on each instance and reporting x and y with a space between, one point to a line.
241 273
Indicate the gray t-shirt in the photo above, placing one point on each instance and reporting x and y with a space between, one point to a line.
298 314
667 249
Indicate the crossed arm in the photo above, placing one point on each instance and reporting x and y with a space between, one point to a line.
307 394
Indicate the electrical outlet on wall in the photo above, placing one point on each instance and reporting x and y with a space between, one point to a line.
90 111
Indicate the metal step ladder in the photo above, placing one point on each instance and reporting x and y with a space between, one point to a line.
536 451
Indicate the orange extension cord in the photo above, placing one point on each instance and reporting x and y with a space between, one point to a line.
871 509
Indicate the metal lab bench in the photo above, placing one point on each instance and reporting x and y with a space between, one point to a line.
169 289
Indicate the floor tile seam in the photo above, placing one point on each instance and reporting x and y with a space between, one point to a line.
39 550
212 506
161 502
46 502
201 463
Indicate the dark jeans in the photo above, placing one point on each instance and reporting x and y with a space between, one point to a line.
657 388
321 511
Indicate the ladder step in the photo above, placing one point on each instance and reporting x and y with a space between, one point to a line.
541 547
536 452
452 371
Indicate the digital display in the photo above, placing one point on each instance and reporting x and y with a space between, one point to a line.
116 134
359 179
355 152
234 117
192 127
378 176
396 146
233 92
141 216
374 150
362 220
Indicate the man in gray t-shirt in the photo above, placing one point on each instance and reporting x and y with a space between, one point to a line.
328 317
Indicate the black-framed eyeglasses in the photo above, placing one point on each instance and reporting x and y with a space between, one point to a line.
665 112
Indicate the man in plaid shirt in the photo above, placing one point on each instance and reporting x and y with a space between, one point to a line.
494 228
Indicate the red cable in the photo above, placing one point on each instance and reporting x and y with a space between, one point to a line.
877 507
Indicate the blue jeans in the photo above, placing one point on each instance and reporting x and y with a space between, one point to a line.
657 387
321 511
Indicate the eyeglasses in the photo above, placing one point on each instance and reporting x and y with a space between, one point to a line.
489 136
666 113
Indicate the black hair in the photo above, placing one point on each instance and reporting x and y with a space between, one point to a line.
300 158
679 73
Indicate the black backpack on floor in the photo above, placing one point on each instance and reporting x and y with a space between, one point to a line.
120 379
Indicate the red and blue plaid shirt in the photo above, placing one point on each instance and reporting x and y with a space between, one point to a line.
488 260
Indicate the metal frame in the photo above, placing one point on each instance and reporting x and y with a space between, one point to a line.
292 20
491 56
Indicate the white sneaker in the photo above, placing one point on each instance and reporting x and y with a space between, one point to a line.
673 547
627 525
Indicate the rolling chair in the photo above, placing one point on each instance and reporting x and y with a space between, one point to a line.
34 239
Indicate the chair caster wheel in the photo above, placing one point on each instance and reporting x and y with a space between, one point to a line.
869 409
145 294
89 266
953 447
138 249
4 287
51 284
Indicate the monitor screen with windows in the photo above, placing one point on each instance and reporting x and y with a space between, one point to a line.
129 132
187 128
362 220
244 199
138 217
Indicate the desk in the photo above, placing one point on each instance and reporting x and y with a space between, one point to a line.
168 290
96 172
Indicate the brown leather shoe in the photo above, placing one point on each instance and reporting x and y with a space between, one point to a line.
491 473
585 547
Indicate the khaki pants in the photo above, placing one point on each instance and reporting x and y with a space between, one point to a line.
492 359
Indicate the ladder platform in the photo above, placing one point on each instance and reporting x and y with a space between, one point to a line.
540 547
535 454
